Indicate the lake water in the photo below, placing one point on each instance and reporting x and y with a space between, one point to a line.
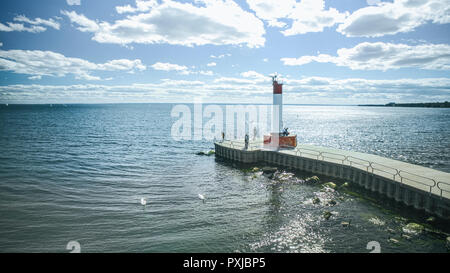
78 172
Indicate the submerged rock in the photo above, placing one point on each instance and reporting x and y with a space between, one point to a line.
400 219
431 219
390 230
316 200
413 228
330 185
207 153
326 189
313 179
345 185
327 215
269 170
345 224
377 221
284 176
406 236
393 240
331 203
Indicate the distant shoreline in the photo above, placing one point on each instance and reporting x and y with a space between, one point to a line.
445 104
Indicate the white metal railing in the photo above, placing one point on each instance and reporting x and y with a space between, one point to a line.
374 167
441 185
369 166
239 144
417 179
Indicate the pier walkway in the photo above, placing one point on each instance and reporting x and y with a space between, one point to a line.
421 187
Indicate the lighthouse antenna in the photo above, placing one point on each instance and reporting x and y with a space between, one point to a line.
274 77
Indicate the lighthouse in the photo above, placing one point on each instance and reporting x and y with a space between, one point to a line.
277 113
280 137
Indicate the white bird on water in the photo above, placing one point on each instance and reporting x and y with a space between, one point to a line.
201 197
143 201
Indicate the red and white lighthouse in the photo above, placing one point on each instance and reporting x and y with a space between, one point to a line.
279 138
277 113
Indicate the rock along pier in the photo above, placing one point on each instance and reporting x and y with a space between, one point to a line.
416 186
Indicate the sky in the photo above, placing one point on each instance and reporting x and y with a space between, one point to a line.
223 51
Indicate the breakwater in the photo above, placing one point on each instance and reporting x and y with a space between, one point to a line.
416 186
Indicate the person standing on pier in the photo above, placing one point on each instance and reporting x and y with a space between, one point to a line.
246 141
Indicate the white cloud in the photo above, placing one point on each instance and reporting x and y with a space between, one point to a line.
73 2
242 90
272 10
169 67
258 77
85 24
47 63
395 17
181 69
213 22
304 16
211 64
220 56
141 6
23 23
205 73
373 2
384 56
35 77
311 16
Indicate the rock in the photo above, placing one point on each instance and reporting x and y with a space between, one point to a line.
255 169
390 230
327 215
326 189
377 221
431 219
316 200
392 240
345 224
406 236
448 243
413 228
207 154
331 203
345 185
284 176
330 185
400 219
269 170
313 179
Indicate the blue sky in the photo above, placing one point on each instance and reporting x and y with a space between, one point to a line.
335 51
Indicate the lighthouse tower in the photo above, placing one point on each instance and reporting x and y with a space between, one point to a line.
280 137
277 114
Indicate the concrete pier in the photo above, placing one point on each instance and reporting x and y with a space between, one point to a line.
416 186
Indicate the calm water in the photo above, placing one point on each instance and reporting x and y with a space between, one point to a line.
78 172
